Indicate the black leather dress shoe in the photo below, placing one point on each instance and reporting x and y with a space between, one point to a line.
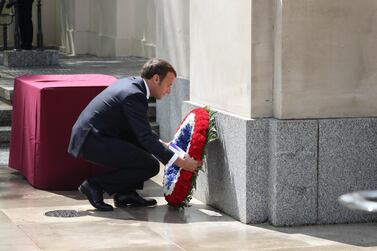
132 199
95 196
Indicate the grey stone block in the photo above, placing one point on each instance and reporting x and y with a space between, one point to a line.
169 109
347 162
25 58
4 155
258 166
5 114
6 89
13 58
234 178
293 174
5 117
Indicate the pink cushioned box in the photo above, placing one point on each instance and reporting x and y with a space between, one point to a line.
45 107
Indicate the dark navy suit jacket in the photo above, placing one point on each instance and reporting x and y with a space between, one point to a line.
119 111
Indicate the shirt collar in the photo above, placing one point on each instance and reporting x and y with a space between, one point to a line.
147 88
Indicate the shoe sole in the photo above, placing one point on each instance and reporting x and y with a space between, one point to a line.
84 192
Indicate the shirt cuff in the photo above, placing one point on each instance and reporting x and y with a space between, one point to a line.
172 160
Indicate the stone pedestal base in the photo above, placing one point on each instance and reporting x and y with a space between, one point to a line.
286 172
289 172
26 58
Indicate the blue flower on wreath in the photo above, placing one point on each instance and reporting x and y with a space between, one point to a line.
182 142
170 175
184 137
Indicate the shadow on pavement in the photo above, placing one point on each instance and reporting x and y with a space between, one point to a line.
362 234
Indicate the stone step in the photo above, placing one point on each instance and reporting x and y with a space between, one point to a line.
27 58
6 90
5 114
4 134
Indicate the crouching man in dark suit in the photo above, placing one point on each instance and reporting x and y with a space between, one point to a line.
113 131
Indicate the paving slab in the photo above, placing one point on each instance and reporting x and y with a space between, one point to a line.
24 225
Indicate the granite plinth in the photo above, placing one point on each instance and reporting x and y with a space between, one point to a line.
26 58
293 172
288 172
234 178
347 162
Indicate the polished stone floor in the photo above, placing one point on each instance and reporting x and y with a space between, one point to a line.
28 222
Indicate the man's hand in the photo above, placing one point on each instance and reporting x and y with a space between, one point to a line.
188 164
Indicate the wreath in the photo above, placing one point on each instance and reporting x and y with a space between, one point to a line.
196 130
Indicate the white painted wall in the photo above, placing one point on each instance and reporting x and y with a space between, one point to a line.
262 58
220 57
173 34
319 60
103 28
136 31
67 16
50 22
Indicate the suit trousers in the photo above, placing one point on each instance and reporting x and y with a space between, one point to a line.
129 165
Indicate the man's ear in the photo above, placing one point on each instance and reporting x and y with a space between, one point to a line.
156 78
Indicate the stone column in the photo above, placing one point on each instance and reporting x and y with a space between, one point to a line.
173 44
74 26
136 28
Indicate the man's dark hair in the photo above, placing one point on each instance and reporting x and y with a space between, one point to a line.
156 66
